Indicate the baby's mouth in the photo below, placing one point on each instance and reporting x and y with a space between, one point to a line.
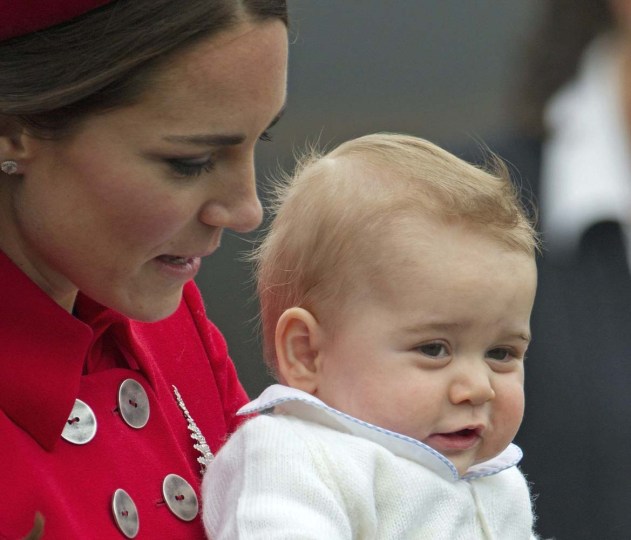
466 432
462 439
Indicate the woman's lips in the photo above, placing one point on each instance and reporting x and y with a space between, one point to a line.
179 267
174 259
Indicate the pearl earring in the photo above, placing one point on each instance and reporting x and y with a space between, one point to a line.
9 166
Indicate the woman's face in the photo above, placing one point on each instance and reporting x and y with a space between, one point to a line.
125 207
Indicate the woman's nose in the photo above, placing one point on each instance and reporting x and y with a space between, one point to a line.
472 384
234 205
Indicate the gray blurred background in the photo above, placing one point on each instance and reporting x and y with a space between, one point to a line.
439 69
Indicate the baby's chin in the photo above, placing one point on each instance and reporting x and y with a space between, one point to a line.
485 457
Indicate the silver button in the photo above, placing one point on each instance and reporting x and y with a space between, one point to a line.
80 427
133 403
125 513
180 497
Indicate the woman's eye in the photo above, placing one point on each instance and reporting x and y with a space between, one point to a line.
190 167
499 354
435 350
266 136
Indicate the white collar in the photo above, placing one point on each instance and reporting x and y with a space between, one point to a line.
279 398
586 163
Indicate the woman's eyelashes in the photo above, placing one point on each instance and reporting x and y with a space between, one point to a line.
266 135
190 167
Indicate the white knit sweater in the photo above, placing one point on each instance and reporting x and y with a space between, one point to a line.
310 472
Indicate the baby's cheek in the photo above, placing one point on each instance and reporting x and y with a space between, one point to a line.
512 409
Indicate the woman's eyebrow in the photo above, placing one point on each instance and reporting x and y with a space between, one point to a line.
206 139
277 117
211 139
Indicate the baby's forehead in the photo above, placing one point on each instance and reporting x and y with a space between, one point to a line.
405 240
427 250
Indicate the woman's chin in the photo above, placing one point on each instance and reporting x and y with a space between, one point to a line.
152 309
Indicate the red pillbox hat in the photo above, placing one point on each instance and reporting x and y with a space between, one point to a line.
20 17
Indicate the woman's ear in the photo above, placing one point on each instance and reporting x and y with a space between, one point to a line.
298 341
11 139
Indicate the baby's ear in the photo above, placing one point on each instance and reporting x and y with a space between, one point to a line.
298 338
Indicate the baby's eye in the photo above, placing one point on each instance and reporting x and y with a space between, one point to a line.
190 167
434 350
500 354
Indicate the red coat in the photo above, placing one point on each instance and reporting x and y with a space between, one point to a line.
49 357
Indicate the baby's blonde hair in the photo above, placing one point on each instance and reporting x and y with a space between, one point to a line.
333 215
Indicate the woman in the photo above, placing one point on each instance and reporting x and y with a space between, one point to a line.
127 134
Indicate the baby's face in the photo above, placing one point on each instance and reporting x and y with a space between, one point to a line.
440 358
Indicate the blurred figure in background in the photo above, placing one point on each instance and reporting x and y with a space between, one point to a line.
575 153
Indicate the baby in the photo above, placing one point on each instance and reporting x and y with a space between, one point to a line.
396 284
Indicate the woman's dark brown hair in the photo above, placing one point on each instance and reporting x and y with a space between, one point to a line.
50 80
